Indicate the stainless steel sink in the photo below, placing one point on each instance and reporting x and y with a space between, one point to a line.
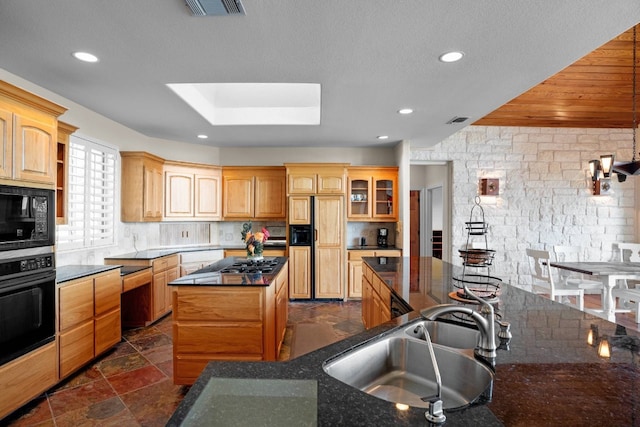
397 368
446 334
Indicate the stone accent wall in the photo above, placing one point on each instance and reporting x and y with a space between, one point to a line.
545 195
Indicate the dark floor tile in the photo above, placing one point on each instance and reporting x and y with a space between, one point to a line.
166 367
85 376
107 412
152 341
119 365
37 412
139 333
137 379
154 405
75 398
121 349
159 354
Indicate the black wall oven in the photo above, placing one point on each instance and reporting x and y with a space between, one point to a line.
27 217
27 301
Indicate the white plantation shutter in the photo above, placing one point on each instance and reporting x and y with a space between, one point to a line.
91 196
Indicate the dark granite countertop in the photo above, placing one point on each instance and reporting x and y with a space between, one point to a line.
160 252
125 270
211 275
548 376
72 272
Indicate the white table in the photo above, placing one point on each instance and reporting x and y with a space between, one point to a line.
609 273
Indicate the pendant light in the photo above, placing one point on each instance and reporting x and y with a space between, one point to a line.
633 167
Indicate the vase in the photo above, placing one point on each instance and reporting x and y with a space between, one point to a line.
255 256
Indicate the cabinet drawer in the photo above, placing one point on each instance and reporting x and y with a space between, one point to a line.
76 303
107 331
378 284
162 264
27 377
135 280
388 252
233 304
108 288
76 348
358 254
236 338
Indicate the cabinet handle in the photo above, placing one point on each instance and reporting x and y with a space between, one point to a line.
315 234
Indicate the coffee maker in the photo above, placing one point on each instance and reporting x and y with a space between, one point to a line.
382 237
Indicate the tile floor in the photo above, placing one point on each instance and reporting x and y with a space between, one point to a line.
132 385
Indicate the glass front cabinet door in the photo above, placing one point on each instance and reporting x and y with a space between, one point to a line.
360 198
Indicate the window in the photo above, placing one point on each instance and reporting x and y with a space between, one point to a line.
91 196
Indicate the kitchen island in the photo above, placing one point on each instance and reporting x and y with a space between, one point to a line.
549 375
233 309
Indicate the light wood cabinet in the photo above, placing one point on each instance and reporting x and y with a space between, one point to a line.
376 299
89 318
27 377
254 193
354 289
227 323
329 247
372 193
299 209
62 172
316 178
142 189
192 192
28 132
299 272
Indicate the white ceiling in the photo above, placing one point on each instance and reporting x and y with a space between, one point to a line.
372 57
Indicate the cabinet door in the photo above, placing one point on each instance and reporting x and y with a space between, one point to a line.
107 331
329 273
108 288
172 274
76 347
385 194
152 193
355 279
270 196
238 197
331 183
299 271
299 210
208 196
359 203
159 294
75 303
179 190
329 246
6 143
302 183
35 147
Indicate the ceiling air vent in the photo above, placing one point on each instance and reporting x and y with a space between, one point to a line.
457 120
215 7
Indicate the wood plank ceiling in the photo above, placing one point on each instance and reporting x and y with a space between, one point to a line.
594 92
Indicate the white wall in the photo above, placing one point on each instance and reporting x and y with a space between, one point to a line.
545 197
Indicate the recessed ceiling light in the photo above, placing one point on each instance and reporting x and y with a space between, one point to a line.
405 111
85 56
383 137
203 136
451 56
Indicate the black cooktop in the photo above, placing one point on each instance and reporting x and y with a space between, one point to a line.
265 265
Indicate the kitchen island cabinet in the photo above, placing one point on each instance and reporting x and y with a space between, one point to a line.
547 356
227 317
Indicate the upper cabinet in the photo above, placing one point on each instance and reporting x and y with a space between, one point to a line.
142 187
373 193
62 172
28 138
254 193
316 178
192 191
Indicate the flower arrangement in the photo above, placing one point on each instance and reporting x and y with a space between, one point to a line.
254 241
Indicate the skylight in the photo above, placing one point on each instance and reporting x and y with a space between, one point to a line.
229 104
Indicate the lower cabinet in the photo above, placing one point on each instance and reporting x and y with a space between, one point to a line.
227 323
28 376
300 272
376 299
89 318
354 289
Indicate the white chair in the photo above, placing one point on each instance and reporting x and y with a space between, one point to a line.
572 254
628 294
543 281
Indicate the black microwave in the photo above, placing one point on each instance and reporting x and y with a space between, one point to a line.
27 217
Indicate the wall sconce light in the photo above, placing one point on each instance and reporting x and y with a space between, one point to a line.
606 343
489 187
592 337
604 349
600 171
